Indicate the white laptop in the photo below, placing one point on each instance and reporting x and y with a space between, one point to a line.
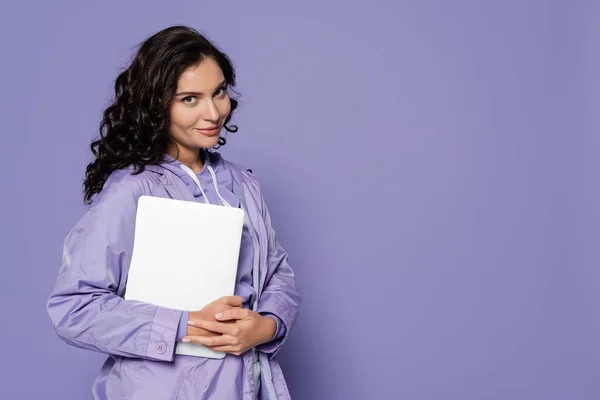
185 255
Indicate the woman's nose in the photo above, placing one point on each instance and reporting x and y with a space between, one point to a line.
211 112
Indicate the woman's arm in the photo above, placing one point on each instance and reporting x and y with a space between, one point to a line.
86 307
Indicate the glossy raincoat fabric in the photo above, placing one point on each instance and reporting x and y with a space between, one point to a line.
88 311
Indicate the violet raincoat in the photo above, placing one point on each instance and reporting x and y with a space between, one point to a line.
88 311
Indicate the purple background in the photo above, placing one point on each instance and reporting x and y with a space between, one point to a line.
430 166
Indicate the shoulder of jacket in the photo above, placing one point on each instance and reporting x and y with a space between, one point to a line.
125 185
243 172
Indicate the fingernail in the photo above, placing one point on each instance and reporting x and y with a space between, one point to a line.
219 316
185 340
191 323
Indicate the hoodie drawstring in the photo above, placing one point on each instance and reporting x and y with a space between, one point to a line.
192 175
214 179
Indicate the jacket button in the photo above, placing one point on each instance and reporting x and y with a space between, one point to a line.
161 347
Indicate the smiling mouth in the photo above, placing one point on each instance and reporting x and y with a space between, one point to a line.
212 131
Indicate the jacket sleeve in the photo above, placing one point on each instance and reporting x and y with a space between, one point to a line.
280 296
86 305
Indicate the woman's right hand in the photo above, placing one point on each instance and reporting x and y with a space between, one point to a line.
208 314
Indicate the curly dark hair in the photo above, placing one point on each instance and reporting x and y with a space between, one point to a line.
134 130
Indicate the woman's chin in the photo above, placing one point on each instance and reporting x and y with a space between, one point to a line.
207 142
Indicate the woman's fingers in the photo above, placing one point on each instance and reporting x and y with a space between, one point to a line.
214 326
194 330
233 301
233 314
214 341
235 350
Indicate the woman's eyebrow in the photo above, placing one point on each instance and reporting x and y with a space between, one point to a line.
200 93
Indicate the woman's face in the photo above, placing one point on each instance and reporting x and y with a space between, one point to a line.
200 107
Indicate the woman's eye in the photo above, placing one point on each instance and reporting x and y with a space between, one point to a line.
189 100
221 92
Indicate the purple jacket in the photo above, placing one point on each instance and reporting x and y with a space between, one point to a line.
87 308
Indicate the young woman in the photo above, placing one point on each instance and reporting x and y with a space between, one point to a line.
156 139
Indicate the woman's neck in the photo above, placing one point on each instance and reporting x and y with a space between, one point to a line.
193 158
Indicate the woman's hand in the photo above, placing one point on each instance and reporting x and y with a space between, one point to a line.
208 314
238 330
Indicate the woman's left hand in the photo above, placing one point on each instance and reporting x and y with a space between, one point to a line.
249 330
